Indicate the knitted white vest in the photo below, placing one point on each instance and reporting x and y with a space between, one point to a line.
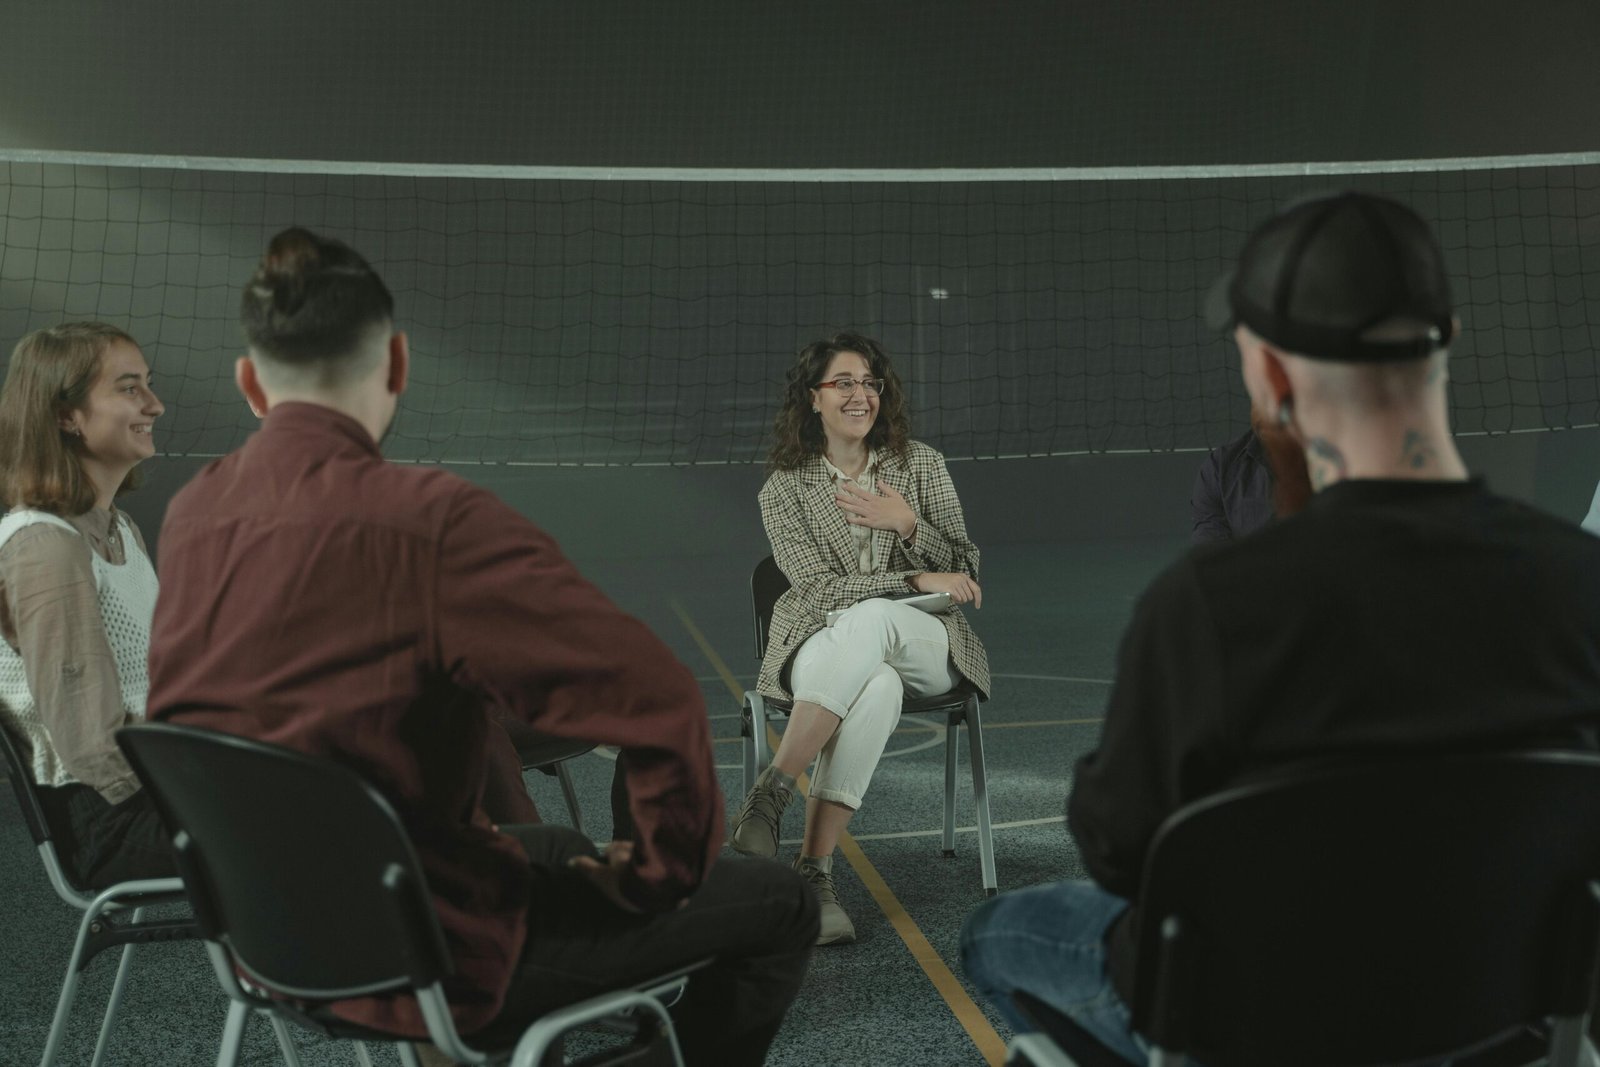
127 602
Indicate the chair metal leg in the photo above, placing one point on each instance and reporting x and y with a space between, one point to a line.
363 1057
280 1029
69 987
980 796
747 744
1568 1045
952 730
760 753
233 1034
117 988
408 1054
570 795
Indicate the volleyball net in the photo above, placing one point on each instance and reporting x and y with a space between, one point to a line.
640 317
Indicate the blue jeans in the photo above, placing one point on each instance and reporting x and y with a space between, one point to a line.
1049 941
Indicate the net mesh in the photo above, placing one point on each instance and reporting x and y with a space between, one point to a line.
651 322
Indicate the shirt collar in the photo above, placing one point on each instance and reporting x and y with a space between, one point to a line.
301 417
838 475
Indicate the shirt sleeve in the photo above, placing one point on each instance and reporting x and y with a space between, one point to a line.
1159 734
1205 503
54 616
941 543
518 624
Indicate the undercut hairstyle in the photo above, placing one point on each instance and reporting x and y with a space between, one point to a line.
311 305
50 374
797 431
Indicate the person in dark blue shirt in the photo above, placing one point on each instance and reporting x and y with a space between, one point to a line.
1232 493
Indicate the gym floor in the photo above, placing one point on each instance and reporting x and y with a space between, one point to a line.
1061 571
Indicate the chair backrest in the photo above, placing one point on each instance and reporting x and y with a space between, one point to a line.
767 584
22 785
293 862
1375 914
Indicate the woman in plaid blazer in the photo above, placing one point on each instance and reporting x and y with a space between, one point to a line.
855 510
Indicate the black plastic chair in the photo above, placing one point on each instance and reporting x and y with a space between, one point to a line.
338 911
549 755
1392 913
100 928
958 706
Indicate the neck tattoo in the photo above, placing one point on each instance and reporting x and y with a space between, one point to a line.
1326 463
1416 453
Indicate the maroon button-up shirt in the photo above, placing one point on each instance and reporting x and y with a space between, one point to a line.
315 596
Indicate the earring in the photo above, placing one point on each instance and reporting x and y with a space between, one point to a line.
1285 413
815 410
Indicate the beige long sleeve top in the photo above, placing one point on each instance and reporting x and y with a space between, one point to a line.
50 613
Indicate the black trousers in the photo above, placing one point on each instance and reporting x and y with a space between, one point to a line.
754 919
100 843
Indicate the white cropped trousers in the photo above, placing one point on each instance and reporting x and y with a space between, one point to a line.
860 669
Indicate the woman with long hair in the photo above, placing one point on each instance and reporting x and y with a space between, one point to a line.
77 590
856 512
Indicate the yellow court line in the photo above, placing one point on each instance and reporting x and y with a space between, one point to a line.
962 1006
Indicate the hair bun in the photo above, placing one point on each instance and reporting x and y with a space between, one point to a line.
292 258
312 298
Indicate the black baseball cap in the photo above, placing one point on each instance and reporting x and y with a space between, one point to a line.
1319 277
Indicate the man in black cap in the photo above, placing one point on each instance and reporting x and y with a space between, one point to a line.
1406 608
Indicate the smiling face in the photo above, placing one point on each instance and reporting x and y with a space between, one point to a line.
846 420
115 422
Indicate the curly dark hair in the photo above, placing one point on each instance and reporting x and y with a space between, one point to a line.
798 430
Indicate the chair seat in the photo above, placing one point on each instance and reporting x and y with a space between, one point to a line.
539 750
939 704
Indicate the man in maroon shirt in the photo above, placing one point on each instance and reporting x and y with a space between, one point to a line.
315 596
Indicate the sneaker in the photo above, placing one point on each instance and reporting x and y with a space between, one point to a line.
755 827
836 927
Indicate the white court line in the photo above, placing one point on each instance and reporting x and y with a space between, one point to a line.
395 168
939 832
1056 678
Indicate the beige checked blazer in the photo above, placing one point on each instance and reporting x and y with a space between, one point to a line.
812 545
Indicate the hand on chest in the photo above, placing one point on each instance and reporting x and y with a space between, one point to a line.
860 520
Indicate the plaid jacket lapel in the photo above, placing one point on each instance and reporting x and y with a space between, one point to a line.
820 494
885 543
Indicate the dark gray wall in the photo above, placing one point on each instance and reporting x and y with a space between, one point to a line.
826 83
